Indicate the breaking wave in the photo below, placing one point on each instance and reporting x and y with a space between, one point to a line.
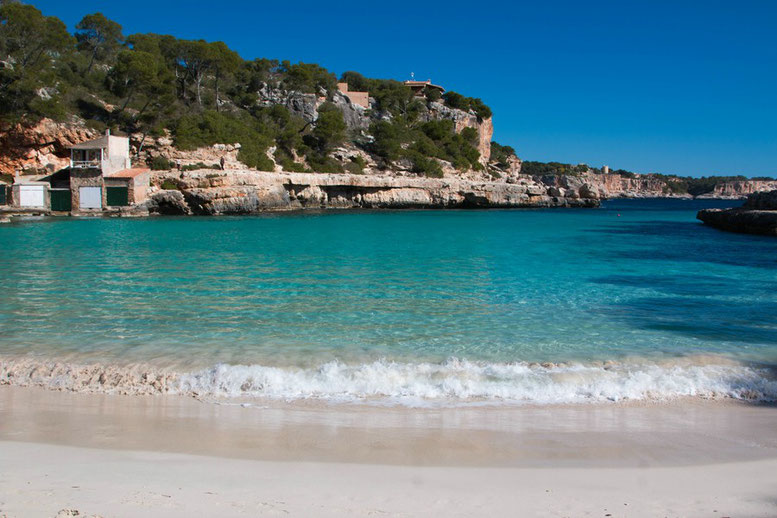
450 382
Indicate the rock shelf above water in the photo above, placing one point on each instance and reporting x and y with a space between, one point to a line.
757 216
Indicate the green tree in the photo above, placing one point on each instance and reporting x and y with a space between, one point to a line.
30 44
223 61
194 58
356 82
307 77
330 127
138 72
99 37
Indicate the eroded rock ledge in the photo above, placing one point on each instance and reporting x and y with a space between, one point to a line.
211 192
757 216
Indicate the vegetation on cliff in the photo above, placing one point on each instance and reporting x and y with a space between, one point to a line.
204 93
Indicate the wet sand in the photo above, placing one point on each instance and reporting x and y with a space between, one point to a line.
176 456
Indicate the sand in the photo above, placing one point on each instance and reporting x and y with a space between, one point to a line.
127 456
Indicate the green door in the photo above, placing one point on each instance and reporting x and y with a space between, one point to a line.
60 200
117 196
3 195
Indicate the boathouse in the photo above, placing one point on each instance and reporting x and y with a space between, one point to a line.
100 177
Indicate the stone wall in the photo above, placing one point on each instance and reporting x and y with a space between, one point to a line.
87 177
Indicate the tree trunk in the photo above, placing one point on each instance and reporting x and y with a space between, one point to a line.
217 91
137 117
129 97
91 61
199 84
142 141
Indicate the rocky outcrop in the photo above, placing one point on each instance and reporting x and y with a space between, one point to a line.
214 192
611 185
461 120
43 147
300 104
168 202
163 146
740 188
757 216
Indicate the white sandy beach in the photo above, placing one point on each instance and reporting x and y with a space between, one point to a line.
116 456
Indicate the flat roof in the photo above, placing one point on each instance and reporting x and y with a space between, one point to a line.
98 143
129 173
423 83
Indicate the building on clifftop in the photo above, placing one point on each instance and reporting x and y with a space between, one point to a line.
420 88
359 98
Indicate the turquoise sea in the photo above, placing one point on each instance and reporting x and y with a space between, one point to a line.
634 300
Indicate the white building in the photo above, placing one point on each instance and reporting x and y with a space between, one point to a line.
107 153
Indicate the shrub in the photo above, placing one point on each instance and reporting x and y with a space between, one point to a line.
356 165
170 185
356 82
307 77
458 101
432 94
200 165
324 164
330 128
425 166
500 154
160 163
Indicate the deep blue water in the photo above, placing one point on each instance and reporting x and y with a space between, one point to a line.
636 278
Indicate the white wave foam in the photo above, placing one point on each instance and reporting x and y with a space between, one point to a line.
460 381
451 382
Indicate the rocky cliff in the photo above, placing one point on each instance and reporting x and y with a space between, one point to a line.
214 192
758 215
740 189
42 147
607 185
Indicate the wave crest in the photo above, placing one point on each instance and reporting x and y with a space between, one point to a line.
459 380
451 382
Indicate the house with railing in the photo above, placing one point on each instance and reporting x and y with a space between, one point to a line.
109 153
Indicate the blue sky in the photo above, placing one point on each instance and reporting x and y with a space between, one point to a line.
670 87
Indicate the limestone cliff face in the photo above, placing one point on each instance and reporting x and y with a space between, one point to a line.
42 147
163 146
462 119
741 188
606 185
243 192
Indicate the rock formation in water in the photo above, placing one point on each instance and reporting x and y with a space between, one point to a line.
757 216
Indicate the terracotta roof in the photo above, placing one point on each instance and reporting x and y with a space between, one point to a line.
129 173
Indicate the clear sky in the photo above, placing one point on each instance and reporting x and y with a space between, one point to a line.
651 86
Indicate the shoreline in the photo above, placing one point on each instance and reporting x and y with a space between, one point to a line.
619 435
7 212
453 383
174 457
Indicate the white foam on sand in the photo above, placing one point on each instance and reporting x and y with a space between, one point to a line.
451 382
460 381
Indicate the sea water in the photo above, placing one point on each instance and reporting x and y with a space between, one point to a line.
634 300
